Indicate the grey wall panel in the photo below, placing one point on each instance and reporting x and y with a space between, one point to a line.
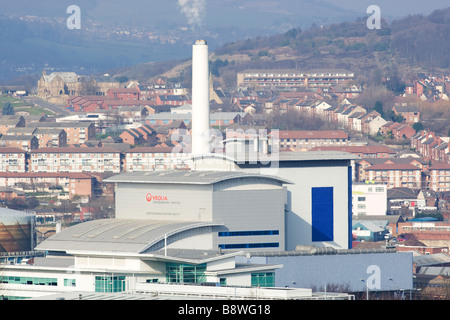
382 271
172 202
249 211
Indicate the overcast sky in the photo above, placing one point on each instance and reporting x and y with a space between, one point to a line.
393 8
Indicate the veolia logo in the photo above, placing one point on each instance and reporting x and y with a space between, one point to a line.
151 197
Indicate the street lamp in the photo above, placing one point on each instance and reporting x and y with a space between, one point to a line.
367 289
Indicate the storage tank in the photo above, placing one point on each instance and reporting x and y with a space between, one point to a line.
17 230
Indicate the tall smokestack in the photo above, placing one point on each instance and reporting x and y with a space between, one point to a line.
200 98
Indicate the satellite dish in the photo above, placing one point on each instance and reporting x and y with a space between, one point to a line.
248 255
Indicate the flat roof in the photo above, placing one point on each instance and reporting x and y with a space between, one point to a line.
186 177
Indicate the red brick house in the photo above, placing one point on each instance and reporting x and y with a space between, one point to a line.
123 94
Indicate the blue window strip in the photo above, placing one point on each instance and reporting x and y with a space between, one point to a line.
249 233
249 245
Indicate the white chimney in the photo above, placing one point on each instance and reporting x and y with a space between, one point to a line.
200 99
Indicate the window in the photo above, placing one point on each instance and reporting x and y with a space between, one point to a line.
361 198
30 281
185 273
109 284
322 214
263 279
248 233
69 283
249 245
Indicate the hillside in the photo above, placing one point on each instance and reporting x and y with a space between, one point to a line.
399 50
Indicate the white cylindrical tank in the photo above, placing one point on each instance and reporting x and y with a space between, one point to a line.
200 99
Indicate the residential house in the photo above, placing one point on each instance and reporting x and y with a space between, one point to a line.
123 94
172 100
370 230
24 142
410 114
71 184
8 193
7 123
132 137
77 132
51 137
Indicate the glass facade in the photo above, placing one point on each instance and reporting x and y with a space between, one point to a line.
263 279
30 281
185 273
109 283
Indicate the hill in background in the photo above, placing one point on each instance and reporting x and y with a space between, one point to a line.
399 50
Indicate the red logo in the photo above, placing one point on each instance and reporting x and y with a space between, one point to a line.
150 197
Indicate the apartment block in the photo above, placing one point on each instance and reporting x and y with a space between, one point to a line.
77 132
305 140
13 160
289 78
154 158
439 177
71 159
395 175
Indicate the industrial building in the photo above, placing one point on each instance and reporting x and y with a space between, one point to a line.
232 220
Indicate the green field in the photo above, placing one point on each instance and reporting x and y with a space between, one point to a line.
19 105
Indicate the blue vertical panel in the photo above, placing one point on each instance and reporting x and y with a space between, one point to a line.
322 214
350 235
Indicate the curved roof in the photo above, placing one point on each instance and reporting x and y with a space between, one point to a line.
116 235
11 217
186 177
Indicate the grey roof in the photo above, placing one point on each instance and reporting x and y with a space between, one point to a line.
186 177
432 259
373 226
65 76
116 235
59 124
316 155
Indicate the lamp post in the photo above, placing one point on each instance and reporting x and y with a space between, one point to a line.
367 289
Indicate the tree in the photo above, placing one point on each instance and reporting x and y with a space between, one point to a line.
418 126
379 107
8 109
